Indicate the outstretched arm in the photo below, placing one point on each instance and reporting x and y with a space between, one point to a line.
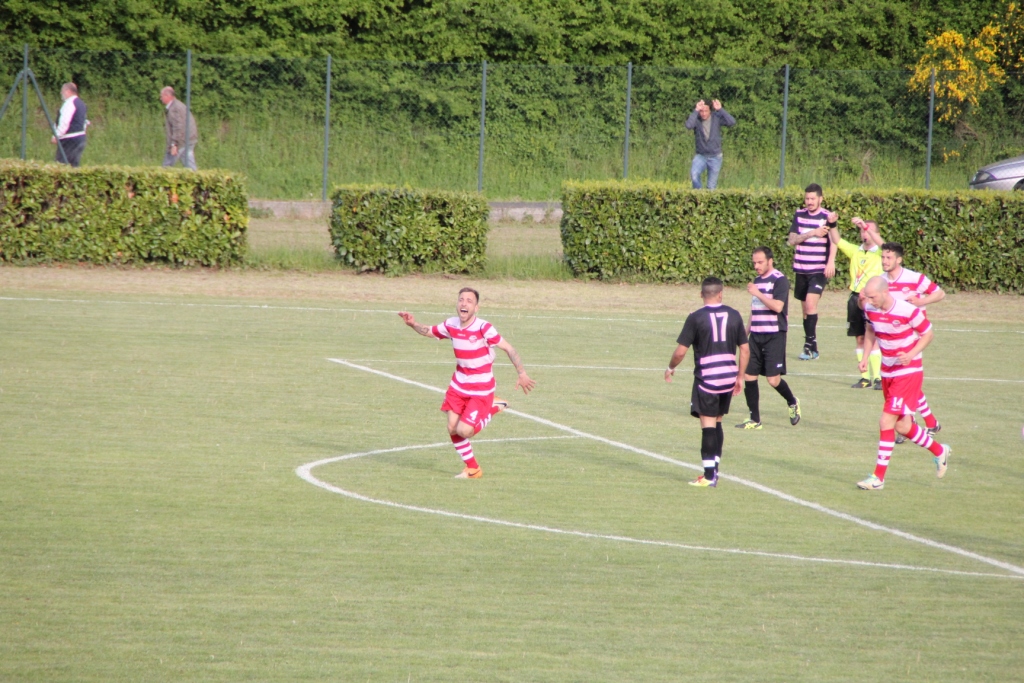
523 381
411 322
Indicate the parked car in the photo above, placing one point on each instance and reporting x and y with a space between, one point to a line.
1007 174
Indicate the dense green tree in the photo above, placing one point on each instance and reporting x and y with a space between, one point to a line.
854 34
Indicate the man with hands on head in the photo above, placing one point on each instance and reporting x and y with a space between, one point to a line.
706 123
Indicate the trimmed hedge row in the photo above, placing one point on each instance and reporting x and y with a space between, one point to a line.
669 232
107 214
397 230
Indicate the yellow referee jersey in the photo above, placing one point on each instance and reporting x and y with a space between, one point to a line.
864 265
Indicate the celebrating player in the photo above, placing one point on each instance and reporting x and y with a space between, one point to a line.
916 289
865 263
814 261
769 311
903 332
715 331
470 402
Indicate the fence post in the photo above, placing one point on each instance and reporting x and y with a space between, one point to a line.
629 102
24 108
483 118
785 118
931 118
327 126
188 102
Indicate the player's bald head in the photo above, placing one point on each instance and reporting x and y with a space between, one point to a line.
876 285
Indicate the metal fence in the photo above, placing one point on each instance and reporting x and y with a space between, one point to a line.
295 126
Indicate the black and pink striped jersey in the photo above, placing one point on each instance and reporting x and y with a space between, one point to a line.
764 320
714 332
811 256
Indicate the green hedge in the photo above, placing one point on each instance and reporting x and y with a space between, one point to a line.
107 214
396 230
668 232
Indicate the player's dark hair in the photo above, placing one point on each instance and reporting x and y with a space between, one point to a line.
470 289
711 286
894 247
767 251
815 188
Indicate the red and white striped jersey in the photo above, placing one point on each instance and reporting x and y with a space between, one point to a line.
474 355
898 330
910 283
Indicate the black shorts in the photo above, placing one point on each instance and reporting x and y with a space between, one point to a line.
854 317
710 405
767 354
813 283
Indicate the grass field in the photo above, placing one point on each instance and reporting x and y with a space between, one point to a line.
153 525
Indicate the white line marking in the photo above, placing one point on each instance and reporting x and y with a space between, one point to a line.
660 370
381 311
746 482
306 473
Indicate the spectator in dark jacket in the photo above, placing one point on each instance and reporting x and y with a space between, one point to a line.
71 124
706 123
175 115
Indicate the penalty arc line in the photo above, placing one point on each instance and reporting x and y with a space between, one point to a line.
729 477
305 472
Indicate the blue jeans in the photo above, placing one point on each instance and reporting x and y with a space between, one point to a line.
711 164
186 156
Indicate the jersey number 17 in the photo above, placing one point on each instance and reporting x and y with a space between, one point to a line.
716 334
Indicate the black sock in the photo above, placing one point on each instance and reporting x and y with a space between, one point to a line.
786 392
708 441
720 433
810 331
753 395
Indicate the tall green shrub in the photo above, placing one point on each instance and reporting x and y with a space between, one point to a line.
666 232
105 214
391 229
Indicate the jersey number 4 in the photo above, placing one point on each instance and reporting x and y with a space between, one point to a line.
717 334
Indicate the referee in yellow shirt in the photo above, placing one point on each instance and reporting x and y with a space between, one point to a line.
865 263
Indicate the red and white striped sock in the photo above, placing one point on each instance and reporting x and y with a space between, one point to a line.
926 413
465 451
484 422
924 440
886 442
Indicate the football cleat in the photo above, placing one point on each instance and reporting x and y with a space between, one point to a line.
794 413
701 481
808 354
470 473
862 383
900 438
499 403
749 424
872 483
932 431
878 384
942 461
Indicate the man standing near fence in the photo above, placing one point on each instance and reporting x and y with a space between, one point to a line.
706 123
70 130
175 116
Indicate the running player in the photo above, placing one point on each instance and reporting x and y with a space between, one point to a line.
470 403
814 261
865 263
916 289
903 332
769 311
714 331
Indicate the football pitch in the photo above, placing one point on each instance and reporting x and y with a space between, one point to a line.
218 488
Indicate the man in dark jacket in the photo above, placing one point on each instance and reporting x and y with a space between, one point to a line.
175 116
71 125
706 123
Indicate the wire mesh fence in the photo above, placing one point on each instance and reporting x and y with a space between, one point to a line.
511 130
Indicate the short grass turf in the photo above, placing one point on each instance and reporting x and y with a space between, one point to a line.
153 526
